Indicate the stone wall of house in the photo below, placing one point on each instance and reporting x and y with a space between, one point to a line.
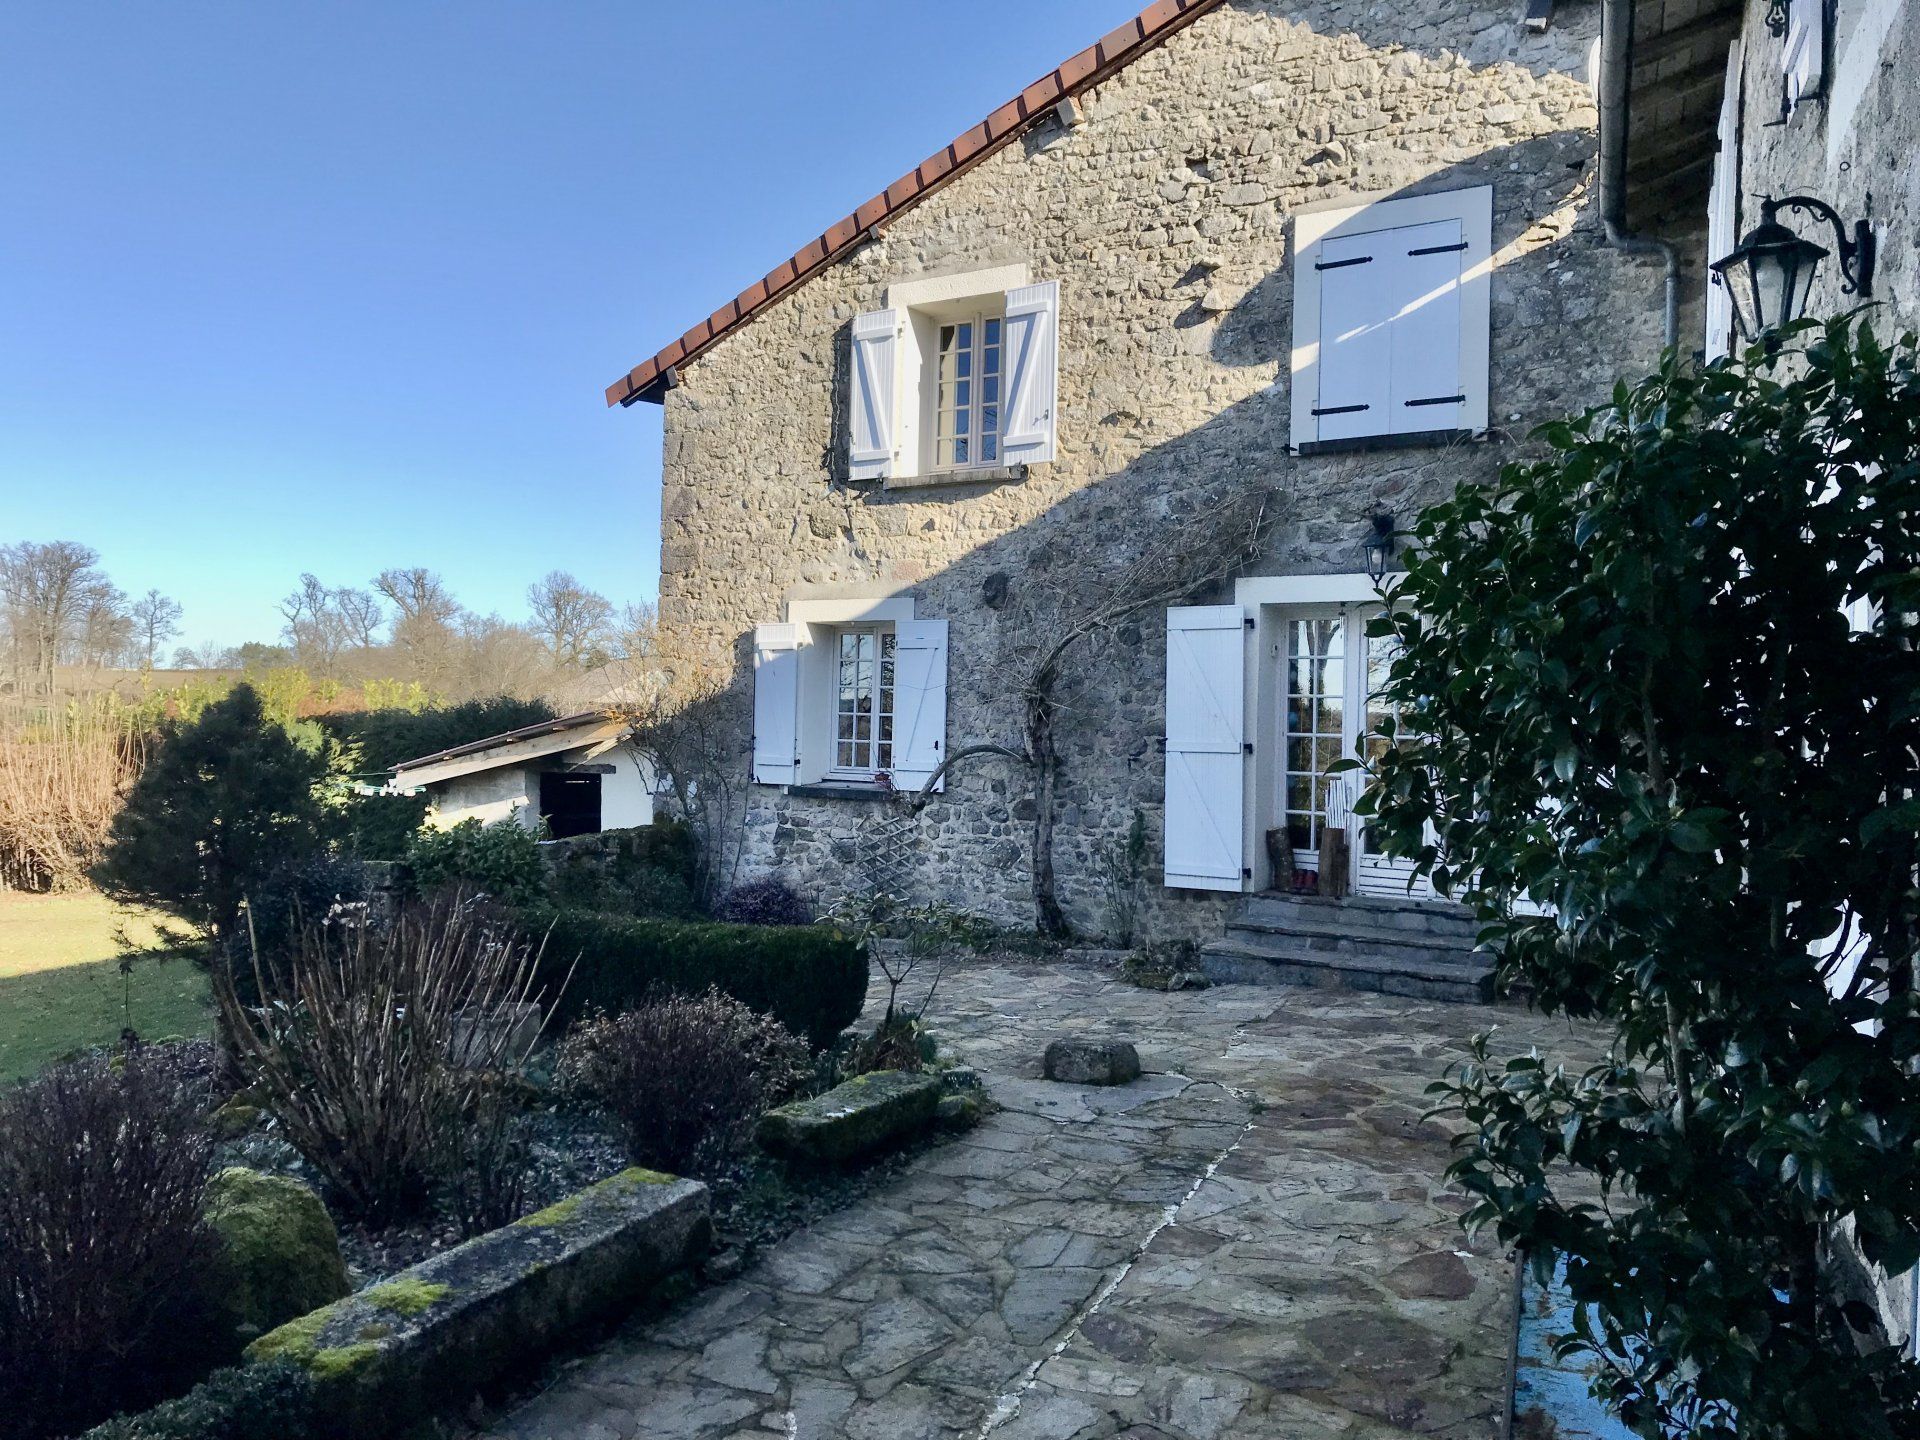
1852 146
1166 214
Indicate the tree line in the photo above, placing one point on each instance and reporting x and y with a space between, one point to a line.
60 611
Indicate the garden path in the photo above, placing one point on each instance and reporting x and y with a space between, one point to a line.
1252 1240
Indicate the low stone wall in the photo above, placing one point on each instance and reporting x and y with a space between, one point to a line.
433 1334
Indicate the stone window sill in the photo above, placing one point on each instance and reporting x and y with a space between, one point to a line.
1361 443
982 475
838 790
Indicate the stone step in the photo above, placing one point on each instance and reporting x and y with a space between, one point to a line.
1321 938
1352 913
1235 959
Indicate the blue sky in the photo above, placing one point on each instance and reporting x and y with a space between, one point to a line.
337 287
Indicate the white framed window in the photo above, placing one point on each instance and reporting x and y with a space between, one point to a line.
862 701
966 393
958 375
1391 320
850 692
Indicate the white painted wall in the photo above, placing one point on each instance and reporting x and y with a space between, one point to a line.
513 791
626 796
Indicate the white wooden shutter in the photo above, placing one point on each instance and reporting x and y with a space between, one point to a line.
1803 59
1723 210
919 702
1356 338
1206 729
776 699
875 397
1031 358
1420 275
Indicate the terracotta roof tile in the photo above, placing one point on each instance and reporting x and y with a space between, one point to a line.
646 381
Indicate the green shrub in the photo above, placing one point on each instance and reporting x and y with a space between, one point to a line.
385 737
502 859
648 870
382 827
808 978
272 1401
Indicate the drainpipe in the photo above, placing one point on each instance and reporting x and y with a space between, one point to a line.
1615 71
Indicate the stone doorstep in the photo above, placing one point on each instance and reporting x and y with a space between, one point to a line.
1230 961
495 1305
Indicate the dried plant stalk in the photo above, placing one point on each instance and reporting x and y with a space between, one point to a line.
353 1041
63 776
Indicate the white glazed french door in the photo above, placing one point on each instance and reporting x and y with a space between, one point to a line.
1329 676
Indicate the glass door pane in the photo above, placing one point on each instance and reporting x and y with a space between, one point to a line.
1381 652
1315 682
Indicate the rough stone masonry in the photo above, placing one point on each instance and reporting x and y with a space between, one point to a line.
1165 213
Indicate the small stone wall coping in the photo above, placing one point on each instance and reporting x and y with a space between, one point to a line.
433 1334
854 1118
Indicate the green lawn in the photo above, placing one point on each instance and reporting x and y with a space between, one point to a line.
60 984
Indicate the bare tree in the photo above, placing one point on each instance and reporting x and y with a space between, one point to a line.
106 625
574 623
314 626
47 590
688 728
636 633
427 625
156 620
359 614
495 657
418 595
1073 603
209 656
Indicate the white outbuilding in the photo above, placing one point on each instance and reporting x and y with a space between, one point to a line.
579 775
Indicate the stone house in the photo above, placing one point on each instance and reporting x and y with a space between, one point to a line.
1347 253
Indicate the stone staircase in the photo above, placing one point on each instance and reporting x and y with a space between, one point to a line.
1418 948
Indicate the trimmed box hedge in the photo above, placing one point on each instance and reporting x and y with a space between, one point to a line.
809 978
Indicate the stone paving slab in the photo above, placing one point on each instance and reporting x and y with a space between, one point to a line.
1252 1240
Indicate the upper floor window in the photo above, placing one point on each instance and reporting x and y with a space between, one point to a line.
1391 320
966 398
957 375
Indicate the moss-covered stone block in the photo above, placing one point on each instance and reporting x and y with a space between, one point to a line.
279 1251
865 1114
433 1335
238 1116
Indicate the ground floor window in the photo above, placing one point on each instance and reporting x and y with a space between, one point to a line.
863 702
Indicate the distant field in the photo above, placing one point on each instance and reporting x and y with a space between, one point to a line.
61 989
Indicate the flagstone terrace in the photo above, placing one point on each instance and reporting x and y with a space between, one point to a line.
1251 1240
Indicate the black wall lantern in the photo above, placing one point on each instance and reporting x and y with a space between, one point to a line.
1379 547
1770 273
1777 17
